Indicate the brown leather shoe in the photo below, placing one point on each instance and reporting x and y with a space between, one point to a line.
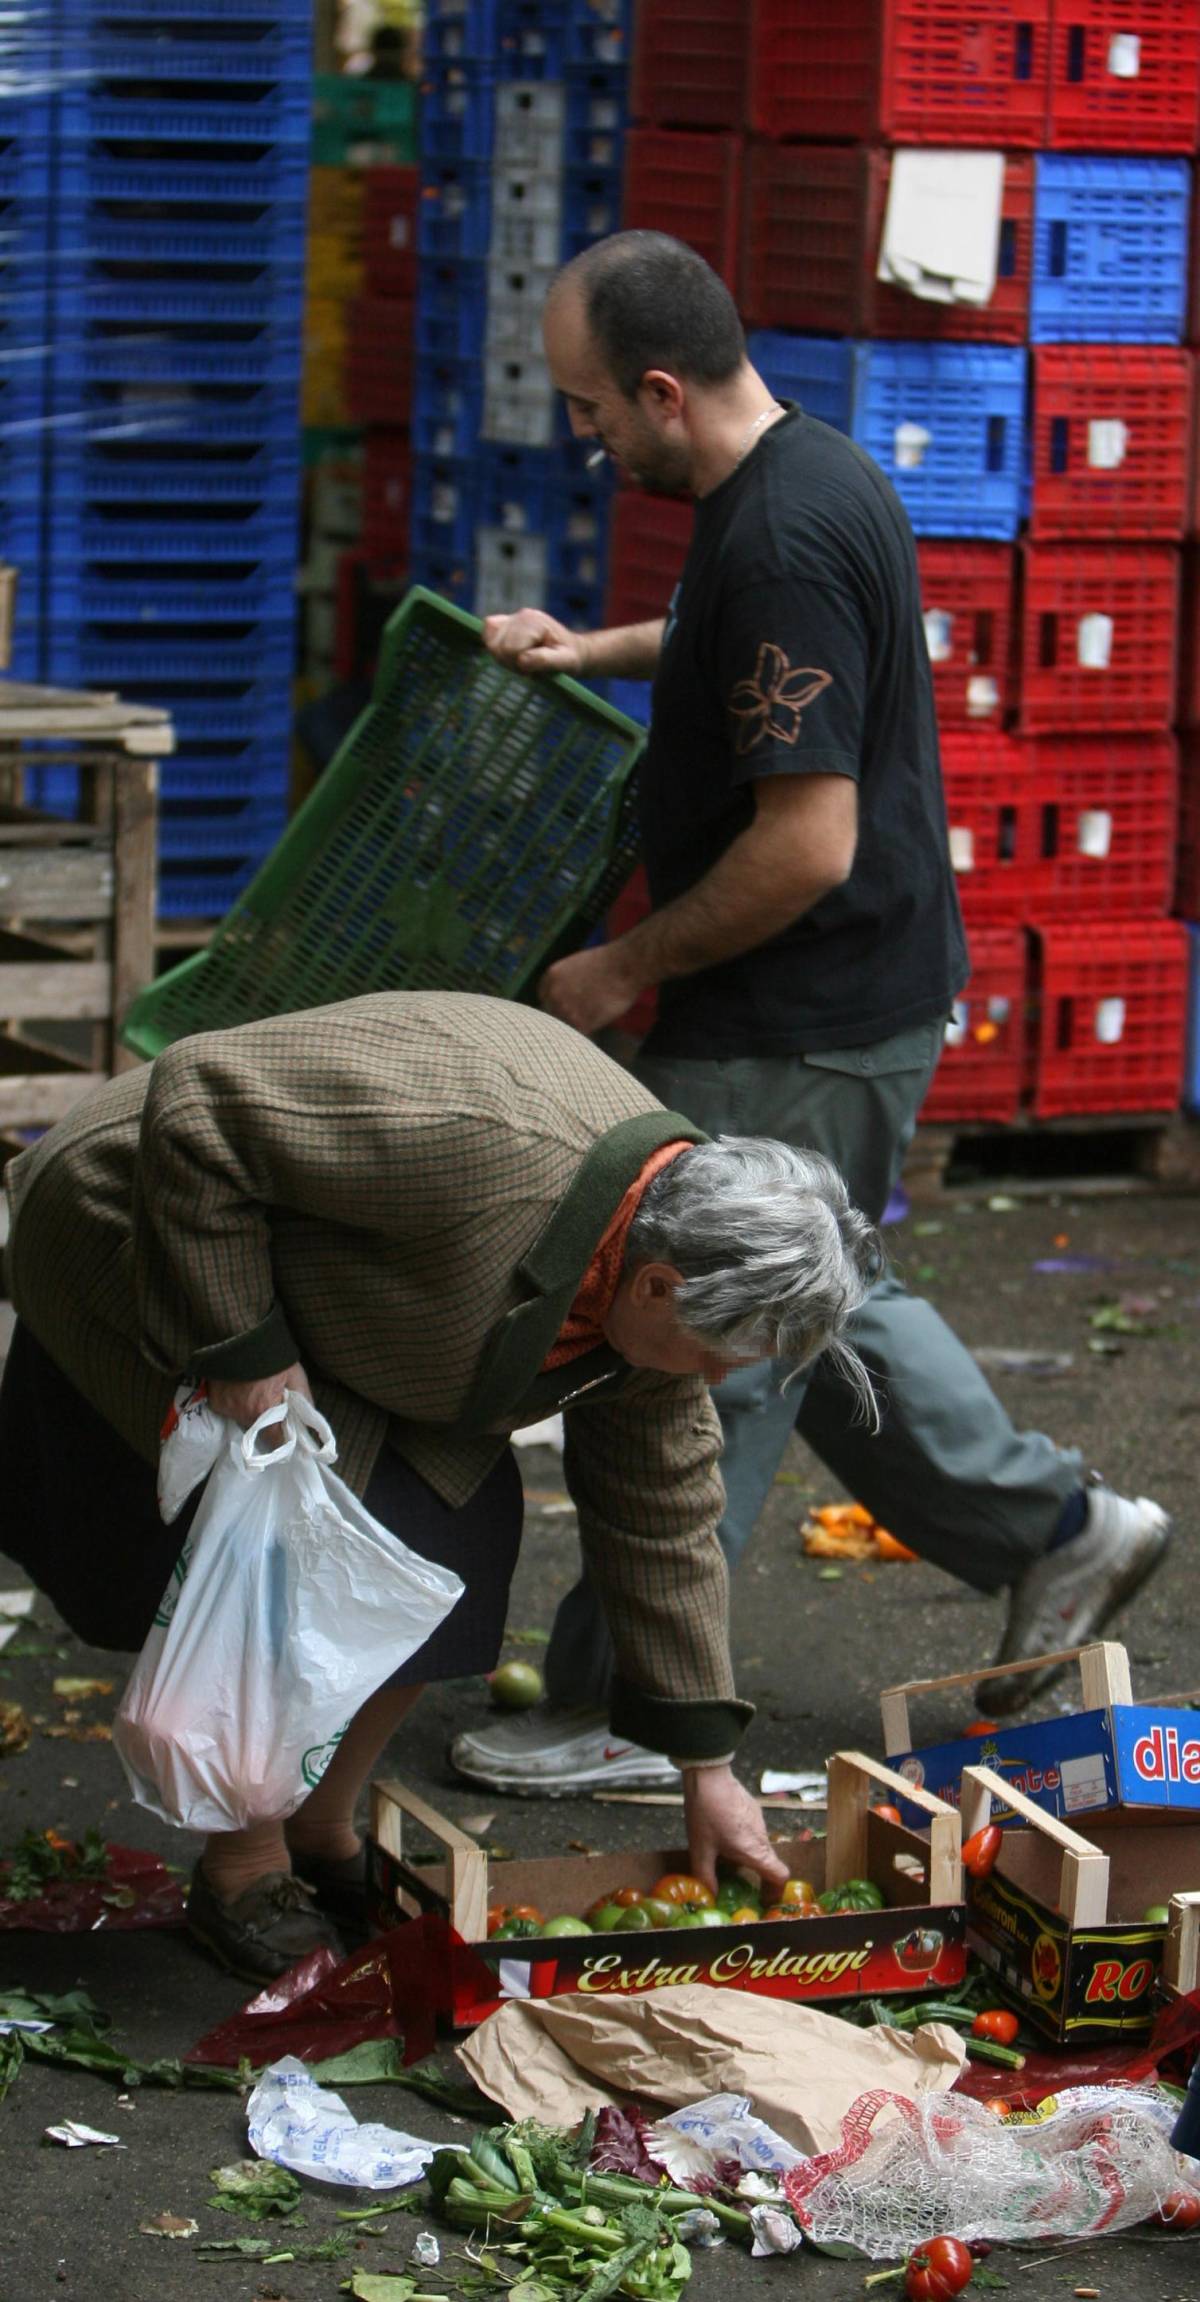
263 1931
340 1889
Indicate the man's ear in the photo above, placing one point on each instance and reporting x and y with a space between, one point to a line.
661 393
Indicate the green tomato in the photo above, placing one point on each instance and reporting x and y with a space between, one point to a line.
517 1930
702 1918
566 1924
737 1894
660 1913
853 1894
621 1918
516 1686
1157 1915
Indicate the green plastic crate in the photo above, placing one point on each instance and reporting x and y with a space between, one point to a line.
354 117
473 824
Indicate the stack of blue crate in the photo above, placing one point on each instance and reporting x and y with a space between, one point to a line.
24 313
179 189
522 125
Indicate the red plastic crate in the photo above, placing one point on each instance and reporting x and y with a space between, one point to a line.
368 592
980 1072
1105 810
689 185
1187 701
647 549
812 220
1147 103
967 598
909 71
1111 1018
1111 440
1187 850
380 360
1099 624
387 494
689 63
391 198
988 781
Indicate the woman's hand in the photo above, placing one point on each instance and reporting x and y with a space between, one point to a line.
245 1402
723 1819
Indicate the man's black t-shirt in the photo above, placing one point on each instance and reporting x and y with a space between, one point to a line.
795 647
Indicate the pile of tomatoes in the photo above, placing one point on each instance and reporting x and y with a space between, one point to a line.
678 1900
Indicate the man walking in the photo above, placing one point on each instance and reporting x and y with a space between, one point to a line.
806 945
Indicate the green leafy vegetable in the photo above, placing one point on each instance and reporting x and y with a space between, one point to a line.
256 2188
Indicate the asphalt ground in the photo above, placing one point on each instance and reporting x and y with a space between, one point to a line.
812 1652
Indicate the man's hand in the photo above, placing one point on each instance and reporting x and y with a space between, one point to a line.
591 988
533 642
722 1819
245 1402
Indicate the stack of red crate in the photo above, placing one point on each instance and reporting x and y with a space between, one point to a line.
379 388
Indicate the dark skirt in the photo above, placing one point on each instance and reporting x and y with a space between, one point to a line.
78 1510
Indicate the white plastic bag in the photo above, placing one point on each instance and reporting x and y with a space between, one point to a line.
289 1608
192 1438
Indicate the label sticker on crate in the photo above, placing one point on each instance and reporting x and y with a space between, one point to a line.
1108 439
983 695
1093 641
962 847
939 634
1125 55
1110 1021
909 443
1094 832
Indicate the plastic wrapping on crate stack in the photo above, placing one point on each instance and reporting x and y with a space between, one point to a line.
1111 441
1099 624
946 423
812 221
1111 1018
967 603
901 71
25 329
981 1070
1124 79
1110 250
179 177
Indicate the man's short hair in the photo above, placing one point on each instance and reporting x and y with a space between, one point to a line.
651 302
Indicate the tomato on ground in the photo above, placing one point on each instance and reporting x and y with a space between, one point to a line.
1180 2210
938 2269
996 2022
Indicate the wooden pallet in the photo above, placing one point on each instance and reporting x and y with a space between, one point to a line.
1105 1156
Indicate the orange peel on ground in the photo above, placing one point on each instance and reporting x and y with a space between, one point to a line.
847 1531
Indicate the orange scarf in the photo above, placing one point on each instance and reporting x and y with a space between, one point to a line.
583 1326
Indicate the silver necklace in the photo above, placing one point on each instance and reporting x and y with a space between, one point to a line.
772 409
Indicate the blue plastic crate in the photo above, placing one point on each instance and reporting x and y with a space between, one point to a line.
99 168
1110 250
107 654
187 893
21 536
153 594
591 206
214 13
173 414
155 356
451 311
818 371
946 422
246 112
445 507
460 32
632 696
260 769
191 830
94 232
531 38
165 298
517 487
597 103
148 44
447 408
452 579
90 472
241 532
577 533
454 220
24 167
458 115
598 32
1191 1075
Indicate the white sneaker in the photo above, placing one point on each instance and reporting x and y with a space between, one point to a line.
1066 1597
546 1753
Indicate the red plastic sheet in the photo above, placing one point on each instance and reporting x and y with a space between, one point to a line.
394 1988
137 1890
1171 2049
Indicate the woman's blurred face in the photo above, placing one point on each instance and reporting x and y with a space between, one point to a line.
643 1325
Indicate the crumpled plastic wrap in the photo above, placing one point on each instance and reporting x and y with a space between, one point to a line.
309 2129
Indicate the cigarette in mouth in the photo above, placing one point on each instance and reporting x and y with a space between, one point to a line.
593 462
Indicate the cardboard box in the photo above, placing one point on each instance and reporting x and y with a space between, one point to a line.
917 1941
1112 1752
1059 1920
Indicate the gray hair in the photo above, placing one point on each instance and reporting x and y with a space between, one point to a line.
773 1258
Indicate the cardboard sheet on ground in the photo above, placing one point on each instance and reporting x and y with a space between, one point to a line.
553 2058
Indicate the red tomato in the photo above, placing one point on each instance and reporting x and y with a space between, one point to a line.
938 2269
889 1813
501 1912
996 2022
1180 2210
998 2106
981 1726
626 1896
979 1853
676 1886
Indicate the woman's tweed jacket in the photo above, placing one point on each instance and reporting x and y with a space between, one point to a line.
403 1192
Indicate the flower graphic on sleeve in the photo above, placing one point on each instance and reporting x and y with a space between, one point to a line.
773 702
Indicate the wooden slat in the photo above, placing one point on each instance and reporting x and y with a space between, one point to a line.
135 806
56 883
70 990
38 1102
